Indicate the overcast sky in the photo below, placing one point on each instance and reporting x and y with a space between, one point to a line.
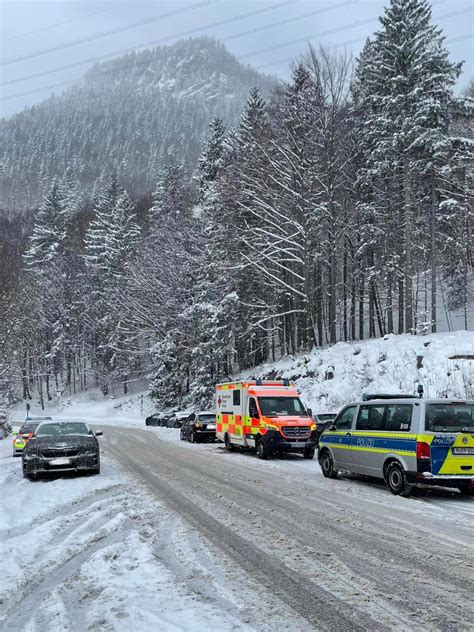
29 29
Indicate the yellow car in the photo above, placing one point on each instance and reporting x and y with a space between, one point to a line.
24 435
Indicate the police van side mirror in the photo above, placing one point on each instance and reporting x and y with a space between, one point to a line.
332 427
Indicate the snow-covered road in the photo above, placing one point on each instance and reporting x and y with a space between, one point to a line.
100 553
175 536
344 554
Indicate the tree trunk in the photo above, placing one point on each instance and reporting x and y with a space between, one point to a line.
408 271
434 317
361 307
389 307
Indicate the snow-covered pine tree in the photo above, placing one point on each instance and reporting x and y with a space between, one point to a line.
49 231
109 242
403 88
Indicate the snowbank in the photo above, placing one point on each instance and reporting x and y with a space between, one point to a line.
99 553
332 377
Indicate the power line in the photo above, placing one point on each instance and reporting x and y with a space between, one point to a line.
361 39
96 36
288 20
306 39
52 26
162 40
300 40
461 37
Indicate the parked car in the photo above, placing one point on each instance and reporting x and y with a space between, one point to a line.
62 446
163 422
200 427
24 434
323 421
183 416
153 420
172 421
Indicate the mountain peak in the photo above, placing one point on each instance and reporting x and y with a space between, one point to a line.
127 114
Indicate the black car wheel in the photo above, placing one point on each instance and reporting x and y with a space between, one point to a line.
181 435
262 451
397 480
193 437
327 464
308 453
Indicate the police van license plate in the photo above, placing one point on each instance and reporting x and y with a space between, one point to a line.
61 461
463 451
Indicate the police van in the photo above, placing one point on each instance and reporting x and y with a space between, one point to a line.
405 440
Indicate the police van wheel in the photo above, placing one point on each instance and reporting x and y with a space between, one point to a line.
327 464
261 450
308 453
466 490
228 444
397 480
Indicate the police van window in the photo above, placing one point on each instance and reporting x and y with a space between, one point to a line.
236 397
253 410
398 417
370 418
344 421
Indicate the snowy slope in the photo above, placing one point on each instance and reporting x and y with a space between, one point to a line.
332 377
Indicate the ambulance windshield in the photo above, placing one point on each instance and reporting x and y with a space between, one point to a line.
281 406
450 417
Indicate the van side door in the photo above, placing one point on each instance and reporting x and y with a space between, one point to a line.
369 429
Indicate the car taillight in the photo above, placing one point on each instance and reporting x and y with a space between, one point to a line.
423 450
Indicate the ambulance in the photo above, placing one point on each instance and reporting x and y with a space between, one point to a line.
267 416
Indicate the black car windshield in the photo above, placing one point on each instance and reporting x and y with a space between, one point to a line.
207 418
326 416
449 417
73 428
281 406
27 428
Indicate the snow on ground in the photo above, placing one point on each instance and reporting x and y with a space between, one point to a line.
332 377
97 550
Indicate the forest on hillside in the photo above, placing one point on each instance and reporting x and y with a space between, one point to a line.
339 208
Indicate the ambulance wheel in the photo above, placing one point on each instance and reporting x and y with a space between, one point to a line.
262 451
327 464
308 453
228 444
466 490
397 480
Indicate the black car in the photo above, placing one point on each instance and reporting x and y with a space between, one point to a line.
62 446
154 420
173 421
200 427
323 422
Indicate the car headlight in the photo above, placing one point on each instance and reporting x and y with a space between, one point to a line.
197 424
